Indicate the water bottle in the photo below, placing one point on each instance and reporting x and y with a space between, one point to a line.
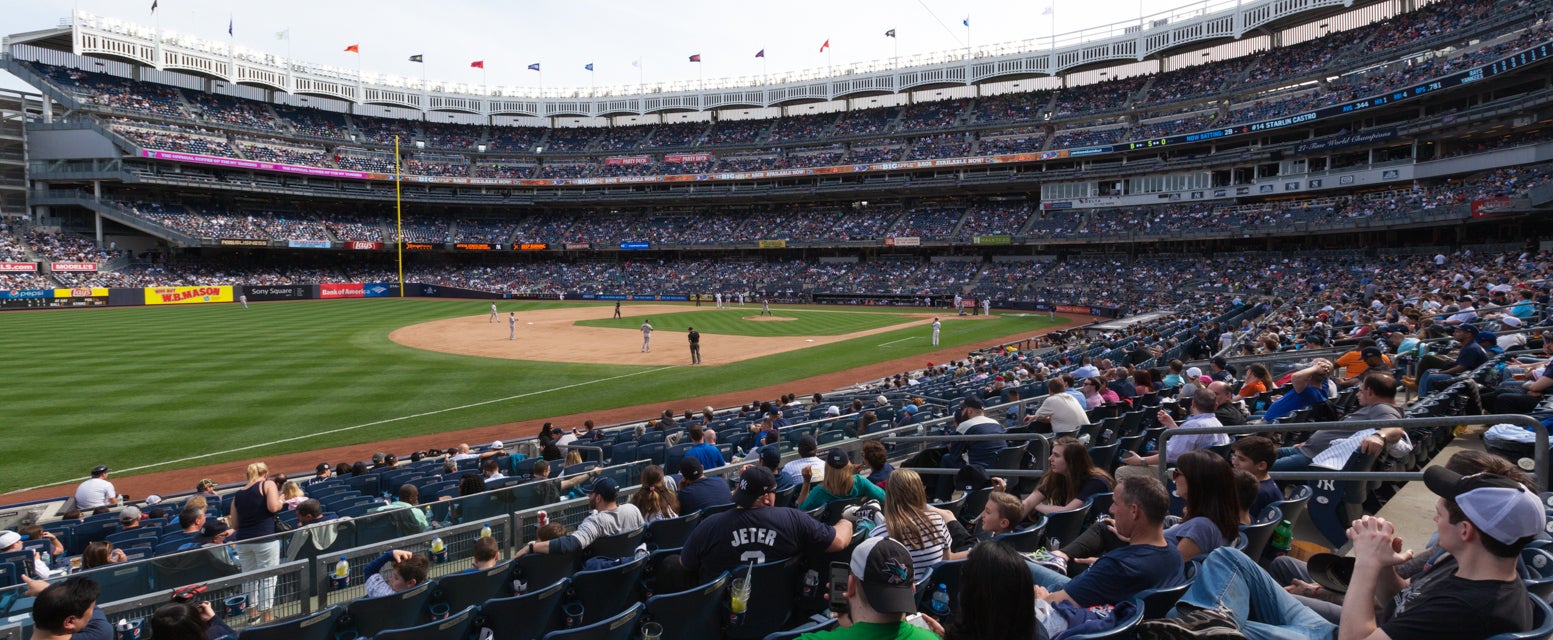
940 604
439 551
485 530
342 574
1283 537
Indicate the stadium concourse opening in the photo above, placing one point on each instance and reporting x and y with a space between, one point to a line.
553 335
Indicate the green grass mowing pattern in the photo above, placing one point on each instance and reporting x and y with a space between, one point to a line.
136 386
732 322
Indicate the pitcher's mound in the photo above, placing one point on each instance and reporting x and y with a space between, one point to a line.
767 318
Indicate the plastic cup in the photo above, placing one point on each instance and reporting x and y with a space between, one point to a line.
740 595
652 631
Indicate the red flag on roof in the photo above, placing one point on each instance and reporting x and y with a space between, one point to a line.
353 49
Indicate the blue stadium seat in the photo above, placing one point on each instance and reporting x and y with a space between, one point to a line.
318 625
620 627
453 627
527 616
774 586
669 533
694 613
605 592
620 545
463 589
1063 526
545 568
1541 621
370 616
808 627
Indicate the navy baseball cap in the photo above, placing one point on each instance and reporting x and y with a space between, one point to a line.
754 482
837 458
606 488
770 456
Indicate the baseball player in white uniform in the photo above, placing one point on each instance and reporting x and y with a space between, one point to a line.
512 326
243 299
986 306
957 308
646 336
936 328
493 314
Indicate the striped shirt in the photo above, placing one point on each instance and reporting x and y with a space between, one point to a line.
929 555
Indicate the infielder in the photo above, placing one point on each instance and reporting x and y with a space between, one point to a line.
646 336
936 328
617 308
718 298
494 315
512 326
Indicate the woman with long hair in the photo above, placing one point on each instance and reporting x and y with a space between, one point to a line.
995 598
253 510
1143 380
99 553
291 494
1258 380
1212 515
184 621
908 519
1071 479
841 482
655 500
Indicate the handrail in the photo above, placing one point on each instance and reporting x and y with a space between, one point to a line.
1540 452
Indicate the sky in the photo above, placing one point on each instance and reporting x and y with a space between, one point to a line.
611 34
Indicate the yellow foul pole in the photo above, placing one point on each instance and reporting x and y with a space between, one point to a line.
399 215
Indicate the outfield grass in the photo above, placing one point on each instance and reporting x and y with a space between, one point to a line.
145 388
732 322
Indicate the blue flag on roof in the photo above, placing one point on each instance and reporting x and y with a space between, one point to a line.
588 66
534 67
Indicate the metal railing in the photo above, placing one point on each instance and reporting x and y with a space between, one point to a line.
290 597
459 540
1540 452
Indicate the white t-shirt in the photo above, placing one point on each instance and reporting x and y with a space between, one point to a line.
1065 412
94 493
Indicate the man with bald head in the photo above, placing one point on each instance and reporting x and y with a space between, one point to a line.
1226 408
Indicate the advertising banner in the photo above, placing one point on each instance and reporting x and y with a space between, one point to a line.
422 246
1486 207
93 292
634 246
1068 308
242 242
773 244
331 290
474 246
25 294
17 267
266 293
187 295
678 158
530 246
993 239
379 289
628 160
577 246
908 241
72 266
363 246
308 244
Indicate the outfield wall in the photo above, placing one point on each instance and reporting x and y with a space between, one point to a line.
21 299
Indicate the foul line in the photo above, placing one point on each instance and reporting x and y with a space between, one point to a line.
895 341
351 428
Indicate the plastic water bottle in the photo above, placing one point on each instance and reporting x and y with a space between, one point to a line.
485 530
940 604
1283 537
342 574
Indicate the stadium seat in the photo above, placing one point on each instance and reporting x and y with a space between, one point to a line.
526 616
1125 624
459 590
318 625
1294 507
370 616
1029 538
773 588
1258 533
127 537
453 627
121 581
669 533
1099 507
945 573
620 545
545 568
605 592
621 627
1539 564
694 613
975 501
1063 526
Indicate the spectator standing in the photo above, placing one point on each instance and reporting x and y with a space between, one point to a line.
253 509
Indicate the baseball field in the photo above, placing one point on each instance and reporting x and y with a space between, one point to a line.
155 388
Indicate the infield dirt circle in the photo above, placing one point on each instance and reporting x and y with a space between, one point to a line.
552 335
